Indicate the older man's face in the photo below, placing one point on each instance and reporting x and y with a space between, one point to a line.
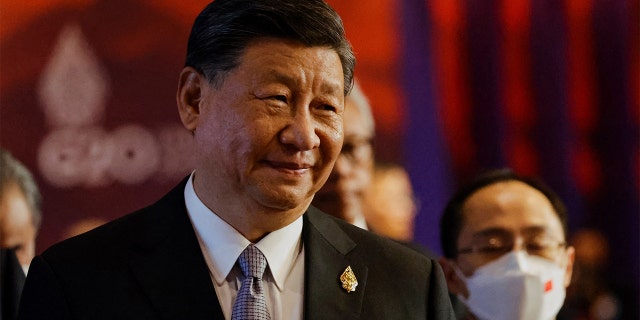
17 228
271 133
343 194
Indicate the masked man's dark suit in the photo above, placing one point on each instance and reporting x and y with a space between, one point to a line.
148 265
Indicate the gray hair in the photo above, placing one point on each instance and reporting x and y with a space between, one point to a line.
13 171
362 103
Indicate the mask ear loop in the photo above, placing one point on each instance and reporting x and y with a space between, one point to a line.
462 282
456 281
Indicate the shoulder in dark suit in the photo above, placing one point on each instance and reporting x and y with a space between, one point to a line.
11 283
148 265
395 282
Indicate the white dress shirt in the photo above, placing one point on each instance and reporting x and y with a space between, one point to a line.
221 245
360 222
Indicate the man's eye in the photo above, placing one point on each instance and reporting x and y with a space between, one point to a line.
535 247
281 98
347 148
540 244
328 107
493 249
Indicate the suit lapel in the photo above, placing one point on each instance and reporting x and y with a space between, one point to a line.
169 265
170 268
326 257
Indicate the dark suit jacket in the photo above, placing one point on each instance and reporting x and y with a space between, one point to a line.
148 265
11 283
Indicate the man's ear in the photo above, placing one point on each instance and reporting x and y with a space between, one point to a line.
189 96
571 256
455 284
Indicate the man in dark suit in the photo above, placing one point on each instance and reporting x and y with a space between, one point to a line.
263 94
11 283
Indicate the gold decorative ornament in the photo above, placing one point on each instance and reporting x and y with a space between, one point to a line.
348 279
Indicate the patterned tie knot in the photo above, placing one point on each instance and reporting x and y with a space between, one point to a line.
252 262
251 302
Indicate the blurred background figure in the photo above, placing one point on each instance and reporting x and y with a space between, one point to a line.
343 193
11 283
19 209
19 221
389 204
591 295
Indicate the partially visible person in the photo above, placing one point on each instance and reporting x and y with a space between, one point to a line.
20 214
390 207
11 283
343 194
505 251
19 222
591 296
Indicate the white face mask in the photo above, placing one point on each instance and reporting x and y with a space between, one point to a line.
516 286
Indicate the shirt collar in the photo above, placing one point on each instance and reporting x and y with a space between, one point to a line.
360 222
224 243
281 248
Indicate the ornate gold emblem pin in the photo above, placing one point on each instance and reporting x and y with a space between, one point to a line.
348 279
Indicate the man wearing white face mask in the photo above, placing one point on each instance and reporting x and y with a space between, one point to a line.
505 254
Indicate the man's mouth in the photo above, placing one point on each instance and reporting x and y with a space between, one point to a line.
290 167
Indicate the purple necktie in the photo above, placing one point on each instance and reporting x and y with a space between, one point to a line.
251 303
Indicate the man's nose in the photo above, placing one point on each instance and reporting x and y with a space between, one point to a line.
300 132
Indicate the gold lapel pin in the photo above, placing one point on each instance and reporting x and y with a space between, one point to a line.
348 279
